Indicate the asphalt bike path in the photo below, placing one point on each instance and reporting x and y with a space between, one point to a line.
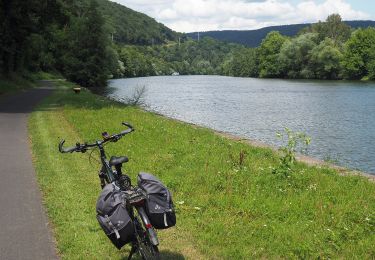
24 228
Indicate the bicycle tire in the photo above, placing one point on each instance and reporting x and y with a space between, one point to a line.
146 249
149 252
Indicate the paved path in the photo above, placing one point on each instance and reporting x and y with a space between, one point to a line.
24 231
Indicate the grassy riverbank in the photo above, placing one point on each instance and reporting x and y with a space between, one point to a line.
226 208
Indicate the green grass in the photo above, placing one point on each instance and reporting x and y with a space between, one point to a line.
42 75
229 210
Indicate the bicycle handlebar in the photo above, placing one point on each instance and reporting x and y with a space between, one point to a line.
84 147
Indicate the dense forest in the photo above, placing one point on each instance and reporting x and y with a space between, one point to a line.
76 38
253 38
325 50
90 41
50 35
204 57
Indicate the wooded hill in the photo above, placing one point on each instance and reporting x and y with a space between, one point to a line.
131 27
253 38
76 38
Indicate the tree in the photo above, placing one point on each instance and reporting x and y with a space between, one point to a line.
294 56
268 55
18 20
371 69
29 31
333 28
359 54
337 30
86 61
325 60
243 63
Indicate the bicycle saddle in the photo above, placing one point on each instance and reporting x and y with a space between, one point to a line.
116 160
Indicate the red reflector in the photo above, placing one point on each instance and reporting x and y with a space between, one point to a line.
148 226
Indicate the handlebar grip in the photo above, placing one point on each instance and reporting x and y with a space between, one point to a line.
127 131
128 125
61 146
65 150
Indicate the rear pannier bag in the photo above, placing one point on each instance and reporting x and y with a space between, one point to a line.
159 204
113 217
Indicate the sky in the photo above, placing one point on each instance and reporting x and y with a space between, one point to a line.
206 15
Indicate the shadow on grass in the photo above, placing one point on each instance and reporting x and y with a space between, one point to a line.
22 102
164 255
83 100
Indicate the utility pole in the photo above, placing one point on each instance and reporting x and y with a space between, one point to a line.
179 41
198 36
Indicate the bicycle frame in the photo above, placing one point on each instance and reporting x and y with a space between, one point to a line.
105 164
112 177
107 175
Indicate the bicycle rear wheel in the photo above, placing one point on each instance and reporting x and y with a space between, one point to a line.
146 249
149 252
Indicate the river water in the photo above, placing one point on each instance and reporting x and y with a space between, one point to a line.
338 116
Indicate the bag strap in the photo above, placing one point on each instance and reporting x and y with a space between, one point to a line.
165 220
110 224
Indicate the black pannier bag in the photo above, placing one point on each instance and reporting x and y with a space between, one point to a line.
113 217
159 204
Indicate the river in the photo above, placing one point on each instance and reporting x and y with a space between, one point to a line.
339 116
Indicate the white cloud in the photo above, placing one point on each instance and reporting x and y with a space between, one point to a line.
204 15
312 11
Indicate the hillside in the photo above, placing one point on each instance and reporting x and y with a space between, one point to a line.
253 38
131 27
